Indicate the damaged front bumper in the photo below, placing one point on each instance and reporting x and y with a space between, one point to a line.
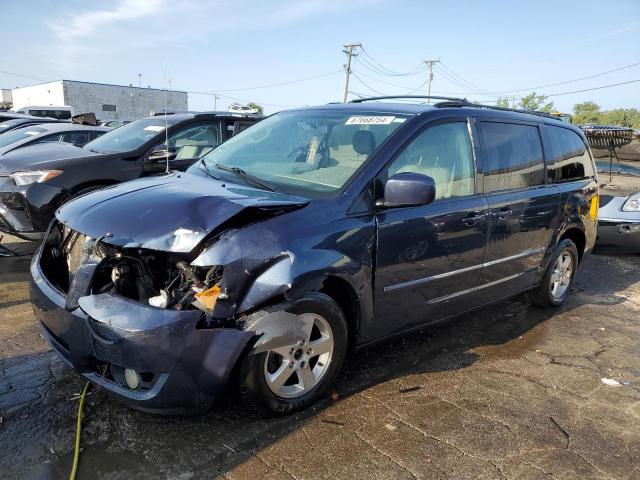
177 364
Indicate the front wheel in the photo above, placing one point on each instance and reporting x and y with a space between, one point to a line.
558 279
291 377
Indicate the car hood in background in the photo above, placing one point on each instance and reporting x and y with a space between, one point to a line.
41 156
173 212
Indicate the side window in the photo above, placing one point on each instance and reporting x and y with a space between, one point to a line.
567 155
76 138
444 153
57 137
195 141
512 156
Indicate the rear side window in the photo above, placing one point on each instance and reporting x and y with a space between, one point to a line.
567 155
512 156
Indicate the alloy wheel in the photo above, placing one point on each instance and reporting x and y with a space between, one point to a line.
294 370
561 276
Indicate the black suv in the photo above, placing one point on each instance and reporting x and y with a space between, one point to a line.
314 230
36 180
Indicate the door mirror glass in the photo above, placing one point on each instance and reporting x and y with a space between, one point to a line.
407 189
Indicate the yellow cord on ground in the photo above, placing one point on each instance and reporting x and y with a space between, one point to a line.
76 454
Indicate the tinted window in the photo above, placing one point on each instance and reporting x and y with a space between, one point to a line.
567 155
59 114
76 138
512 156
444 153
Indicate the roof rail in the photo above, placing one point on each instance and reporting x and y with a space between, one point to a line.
414 97
495 107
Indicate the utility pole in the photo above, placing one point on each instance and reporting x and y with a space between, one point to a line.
349 50
215 101
513 102
139 80
429 64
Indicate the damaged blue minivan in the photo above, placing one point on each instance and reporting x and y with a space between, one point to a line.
313 231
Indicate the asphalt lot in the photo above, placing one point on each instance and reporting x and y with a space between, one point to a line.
508 392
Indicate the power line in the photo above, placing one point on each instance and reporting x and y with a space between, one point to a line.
377 92
390 72
279 84
13 74
463 80
594 88
572 81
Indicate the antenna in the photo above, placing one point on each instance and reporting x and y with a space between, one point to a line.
167 79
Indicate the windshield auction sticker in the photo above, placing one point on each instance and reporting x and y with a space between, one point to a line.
369 120
154 128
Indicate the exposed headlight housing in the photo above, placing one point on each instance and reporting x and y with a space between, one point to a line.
35 176
632 204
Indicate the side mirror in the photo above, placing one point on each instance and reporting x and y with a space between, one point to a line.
160 154
407 189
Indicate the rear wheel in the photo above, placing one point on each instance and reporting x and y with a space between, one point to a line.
558 279
290 377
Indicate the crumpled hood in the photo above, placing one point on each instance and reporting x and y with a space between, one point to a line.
173 212
41 156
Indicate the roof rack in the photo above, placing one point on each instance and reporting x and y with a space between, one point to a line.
496 107
421 97
454 102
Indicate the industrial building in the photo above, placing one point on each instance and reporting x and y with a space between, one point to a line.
108 102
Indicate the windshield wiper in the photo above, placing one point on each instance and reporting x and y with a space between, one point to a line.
244 175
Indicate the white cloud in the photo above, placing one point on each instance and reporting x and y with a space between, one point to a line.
75 27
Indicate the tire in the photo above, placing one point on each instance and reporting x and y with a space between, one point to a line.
261 394
557 283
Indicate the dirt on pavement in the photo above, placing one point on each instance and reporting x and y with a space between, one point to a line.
510 391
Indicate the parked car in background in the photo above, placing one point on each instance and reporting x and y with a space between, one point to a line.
77 135
311 231
11 122
114 123
243 109
36 180
62 112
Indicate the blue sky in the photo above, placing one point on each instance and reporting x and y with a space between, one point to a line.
226 46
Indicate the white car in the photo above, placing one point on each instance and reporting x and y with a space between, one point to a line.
243 109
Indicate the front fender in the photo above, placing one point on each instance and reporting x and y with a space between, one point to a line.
260 266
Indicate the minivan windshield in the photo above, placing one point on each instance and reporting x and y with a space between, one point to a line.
307 149
130 136
20 134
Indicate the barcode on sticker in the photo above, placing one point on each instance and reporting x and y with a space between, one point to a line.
369 120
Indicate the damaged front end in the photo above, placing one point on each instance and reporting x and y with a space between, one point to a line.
159 329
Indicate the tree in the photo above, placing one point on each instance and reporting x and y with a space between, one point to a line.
586 112
502 102
536 103
255 106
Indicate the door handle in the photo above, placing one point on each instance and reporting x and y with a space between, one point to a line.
501 214
473 218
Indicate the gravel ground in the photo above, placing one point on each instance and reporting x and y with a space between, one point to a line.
510 391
